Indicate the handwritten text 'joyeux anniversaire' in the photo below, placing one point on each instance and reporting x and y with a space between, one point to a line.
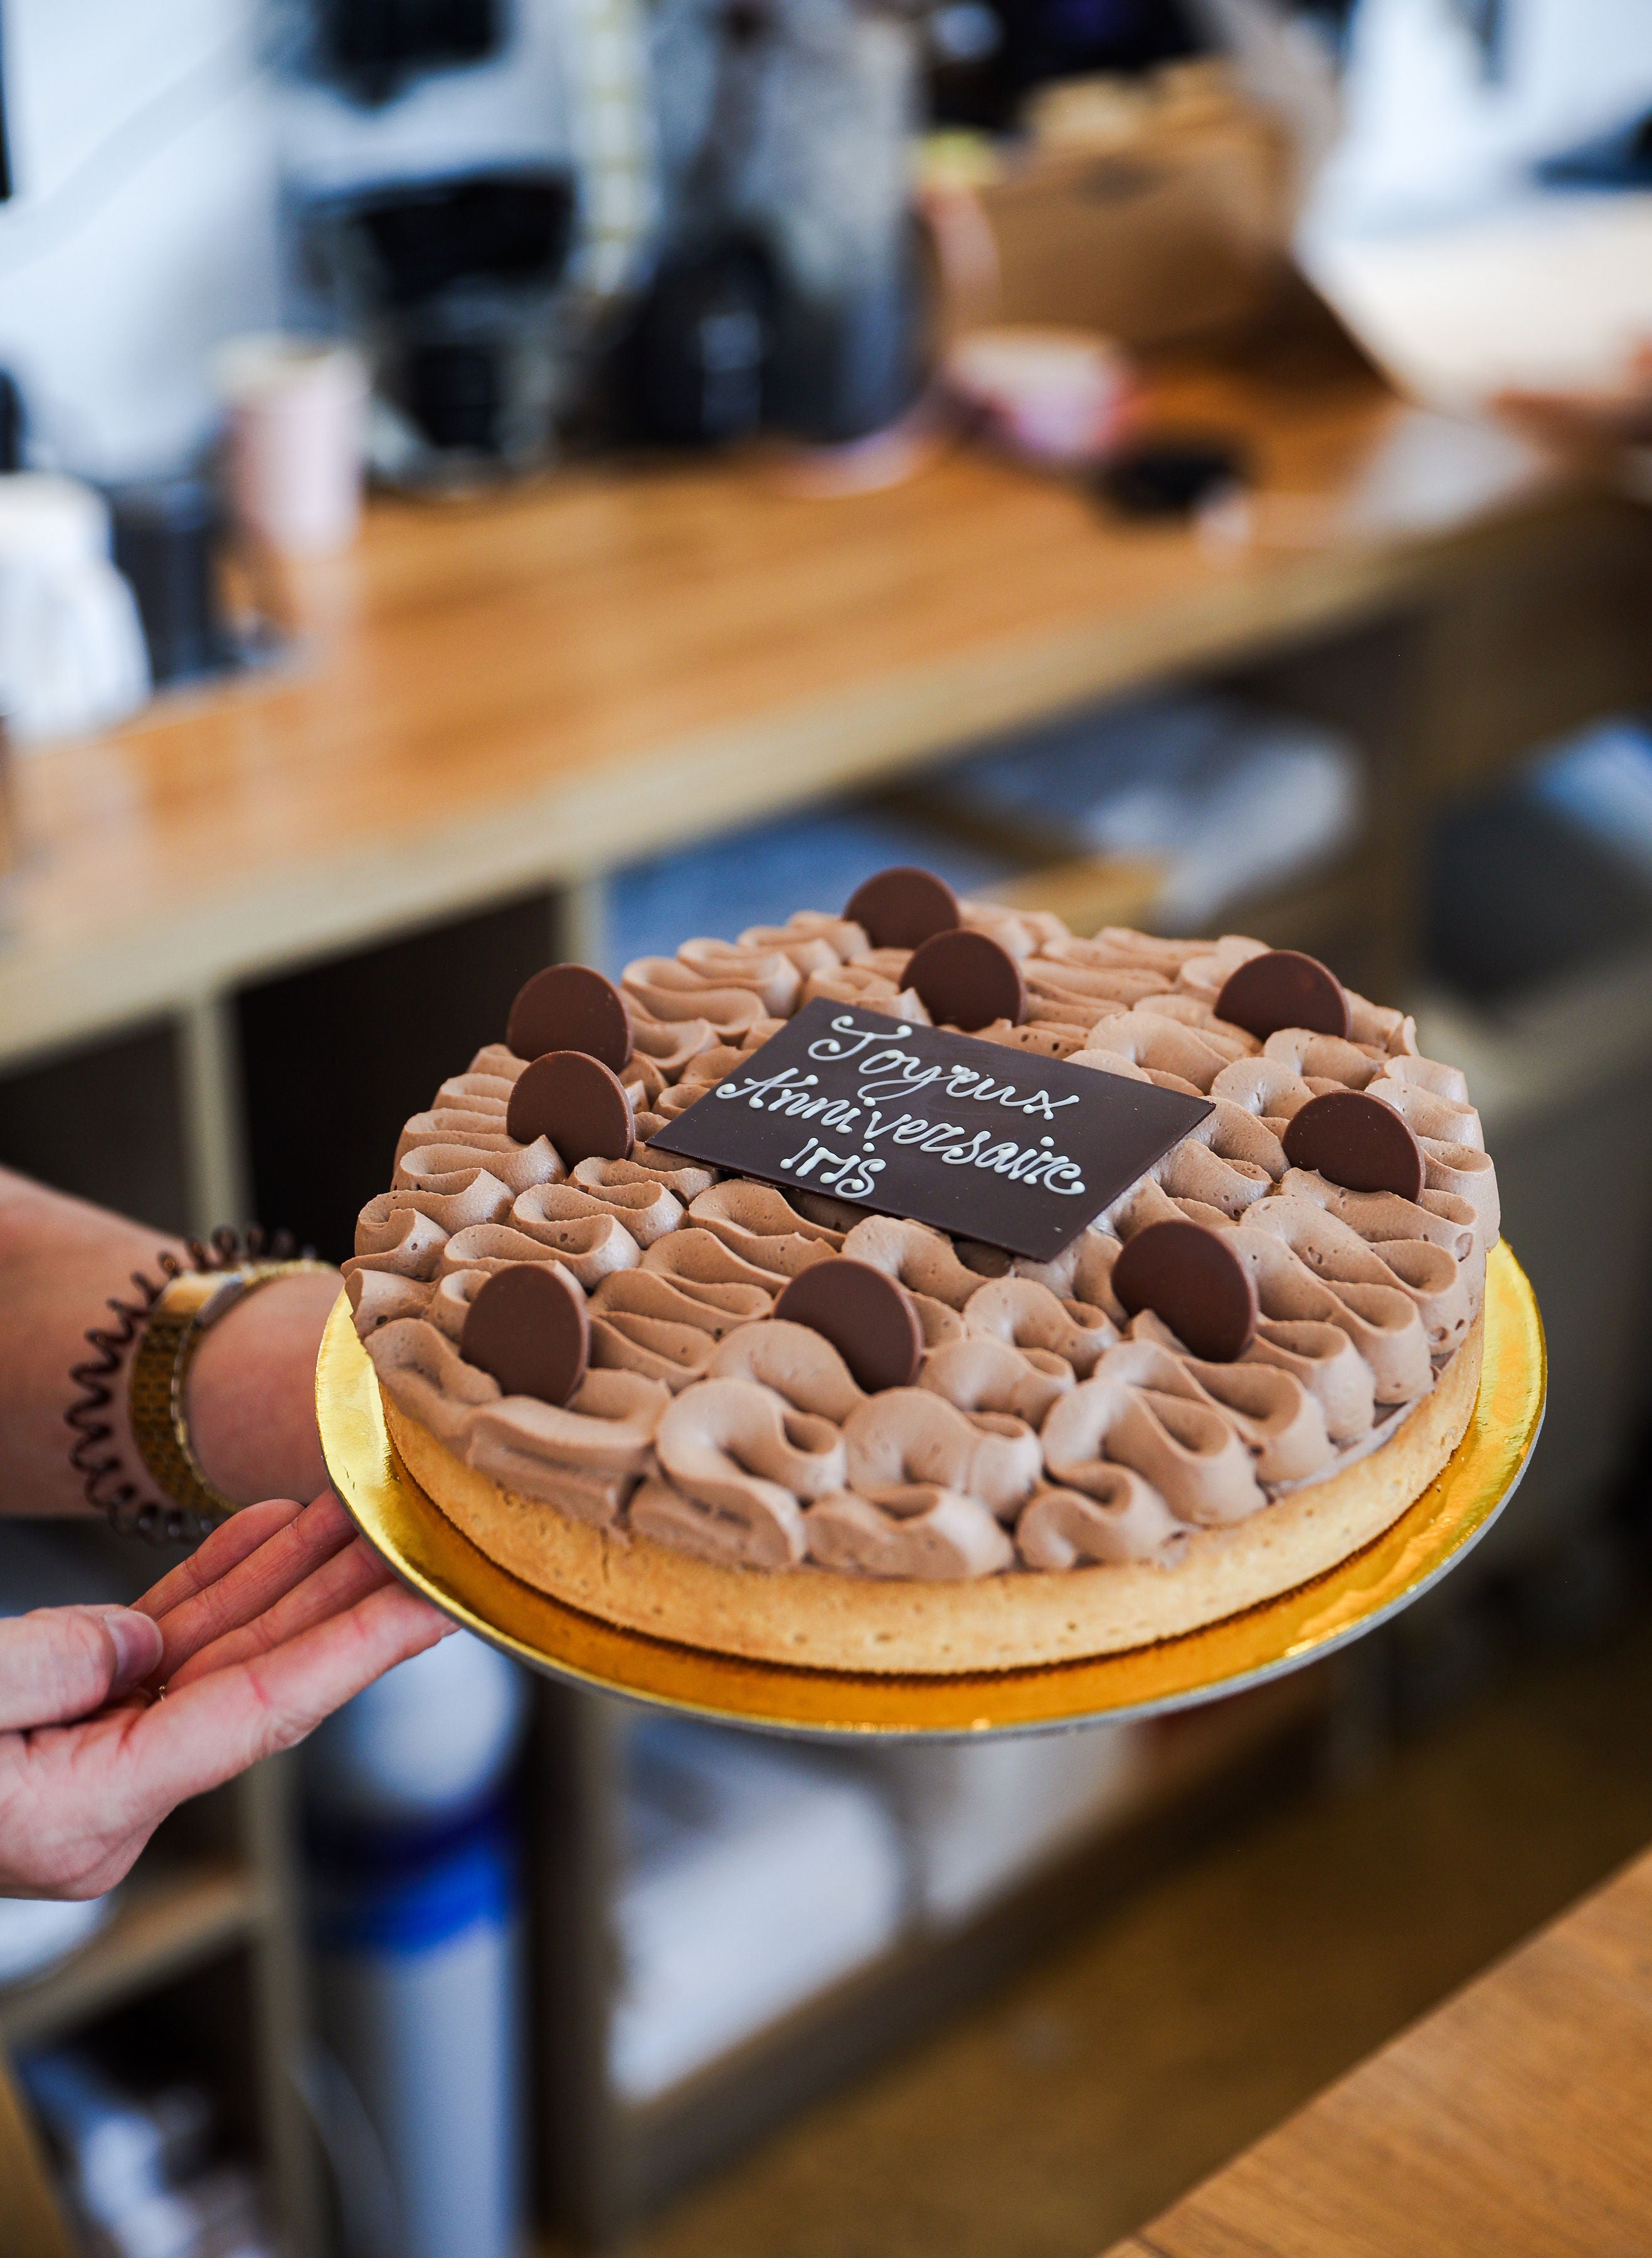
875 1111
971 1137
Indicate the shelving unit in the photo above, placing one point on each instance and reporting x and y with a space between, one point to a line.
210 1906
492 708
608 2162
168 1922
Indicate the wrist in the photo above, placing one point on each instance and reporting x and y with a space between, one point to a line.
250 1398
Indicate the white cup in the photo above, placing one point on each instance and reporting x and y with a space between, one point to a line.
297 415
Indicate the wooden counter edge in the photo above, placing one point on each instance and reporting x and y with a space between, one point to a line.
1606 1935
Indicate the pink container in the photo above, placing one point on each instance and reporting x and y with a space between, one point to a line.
296 411
1055 396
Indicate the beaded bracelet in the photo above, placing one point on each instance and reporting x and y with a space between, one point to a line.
167 1322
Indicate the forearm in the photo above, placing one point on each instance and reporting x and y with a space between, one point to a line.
251 1406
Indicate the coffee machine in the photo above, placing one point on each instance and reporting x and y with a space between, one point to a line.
431 207
452 287
787 285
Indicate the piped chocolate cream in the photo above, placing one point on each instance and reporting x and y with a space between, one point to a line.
985 1415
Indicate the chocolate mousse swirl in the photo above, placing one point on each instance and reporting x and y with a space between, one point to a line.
1048 1429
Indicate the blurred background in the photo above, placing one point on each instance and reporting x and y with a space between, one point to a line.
482 480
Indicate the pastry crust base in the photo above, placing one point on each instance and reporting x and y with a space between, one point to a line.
821 1620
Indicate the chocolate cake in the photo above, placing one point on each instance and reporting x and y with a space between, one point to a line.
928 1289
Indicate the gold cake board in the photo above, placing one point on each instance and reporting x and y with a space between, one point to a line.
1458 1506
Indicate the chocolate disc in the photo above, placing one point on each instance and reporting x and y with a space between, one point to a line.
868 1318
1282 988
967 980
1356 1141
528 1326
901 908
1192 1279
568 1007
576 1102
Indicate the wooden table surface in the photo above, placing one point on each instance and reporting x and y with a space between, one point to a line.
1514 2122
490 697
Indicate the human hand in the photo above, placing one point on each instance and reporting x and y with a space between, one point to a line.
283 1614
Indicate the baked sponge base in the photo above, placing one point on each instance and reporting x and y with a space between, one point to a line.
820 1620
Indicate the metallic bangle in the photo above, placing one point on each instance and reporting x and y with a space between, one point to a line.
157 1393
162 1326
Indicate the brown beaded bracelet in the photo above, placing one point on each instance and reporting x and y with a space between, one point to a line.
162 1328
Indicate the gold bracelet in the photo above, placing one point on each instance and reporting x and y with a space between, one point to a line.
188 1307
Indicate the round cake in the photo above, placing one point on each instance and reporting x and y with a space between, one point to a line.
1196 1321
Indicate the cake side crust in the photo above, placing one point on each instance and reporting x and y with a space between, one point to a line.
817 1619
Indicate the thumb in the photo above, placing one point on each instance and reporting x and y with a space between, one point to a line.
61 1663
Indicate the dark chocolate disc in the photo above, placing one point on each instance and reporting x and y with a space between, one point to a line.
568 1007
576 1102
901 908
1191 1278
967 980
1282 988
1356 1141
528 1326
868 1318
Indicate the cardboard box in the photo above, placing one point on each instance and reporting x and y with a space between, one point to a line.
1174 226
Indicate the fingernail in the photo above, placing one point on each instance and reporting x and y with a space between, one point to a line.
138 1644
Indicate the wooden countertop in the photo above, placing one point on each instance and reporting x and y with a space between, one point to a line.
492 697
1512 2123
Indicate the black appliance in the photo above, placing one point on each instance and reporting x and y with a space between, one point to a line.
450 285
374 47
985 55
725 340
693 366
14 430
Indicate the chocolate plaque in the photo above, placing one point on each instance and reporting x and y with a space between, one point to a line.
978 1140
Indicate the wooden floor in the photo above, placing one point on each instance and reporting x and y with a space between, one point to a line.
1189 2021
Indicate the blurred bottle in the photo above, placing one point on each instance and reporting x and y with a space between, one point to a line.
419 1949
787 285
168 533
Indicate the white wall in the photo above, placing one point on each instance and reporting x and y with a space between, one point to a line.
143 140
1426 133
148 145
